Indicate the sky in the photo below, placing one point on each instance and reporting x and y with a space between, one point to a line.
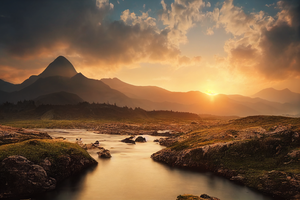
212 46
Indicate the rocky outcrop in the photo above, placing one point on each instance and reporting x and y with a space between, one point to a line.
12 135
35 163
23 178
286 185
140 139
212 157
104 153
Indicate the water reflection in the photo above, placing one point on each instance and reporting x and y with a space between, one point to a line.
132 175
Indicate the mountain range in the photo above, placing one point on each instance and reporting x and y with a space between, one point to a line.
60 84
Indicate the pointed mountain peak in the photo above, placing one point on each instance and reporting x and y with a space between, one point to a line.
59 67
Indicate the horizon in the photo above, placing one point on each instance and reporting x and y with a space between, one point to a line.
216 47
207 92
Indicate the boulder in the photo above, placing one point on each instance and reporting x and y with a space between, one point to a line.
129 140
140 139
104 153
23 178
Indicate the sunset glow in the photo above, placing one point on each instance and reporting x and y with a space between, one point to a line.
235 46
210 93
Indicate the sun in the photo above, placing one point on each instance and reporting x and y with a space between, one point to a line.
211 93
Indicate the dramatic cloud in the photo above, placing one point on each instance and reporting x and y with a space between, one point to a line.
262 44
41 29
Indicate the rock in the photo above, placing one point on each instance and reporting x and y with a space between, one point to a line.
104 153
140 139
23 178
193 197
281 184
129 140
46 164
238 178
167 141
156 140
294 154
205 196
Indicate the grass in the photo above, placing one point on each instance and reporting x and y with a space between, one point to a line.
53 123
37 150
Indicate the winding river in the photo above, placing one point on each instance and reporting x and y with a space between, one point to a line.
132 175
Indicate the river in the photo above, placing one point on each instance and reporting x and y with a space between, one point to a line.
132 175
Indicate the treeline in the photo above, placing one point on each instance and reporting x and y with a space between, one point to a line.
84 110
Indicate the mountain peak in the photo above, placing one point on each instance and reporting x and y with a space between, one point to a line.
59 67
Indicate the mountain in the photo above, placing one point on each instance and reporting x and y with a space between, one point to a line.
88 89
58 98
60 84
59 67
155 94
262 105
195 101
282 96
6 86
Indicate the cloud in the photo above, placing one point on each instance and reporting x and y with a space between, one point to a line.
37 30
262 45
180 17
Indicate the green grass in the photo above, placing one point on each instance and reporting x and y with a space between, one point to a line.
37 150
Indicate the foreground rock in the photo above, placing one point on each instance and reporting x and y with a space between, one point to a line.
23 178
192 197
104 153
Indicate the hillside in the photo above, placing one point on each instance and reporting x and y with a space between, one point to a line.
58 98
261 152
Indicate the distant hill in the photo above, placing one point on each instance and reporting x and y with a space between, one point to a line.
195 101
282 96
58 98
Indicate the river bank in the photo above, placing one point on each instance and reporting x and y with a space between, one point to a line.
260 152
